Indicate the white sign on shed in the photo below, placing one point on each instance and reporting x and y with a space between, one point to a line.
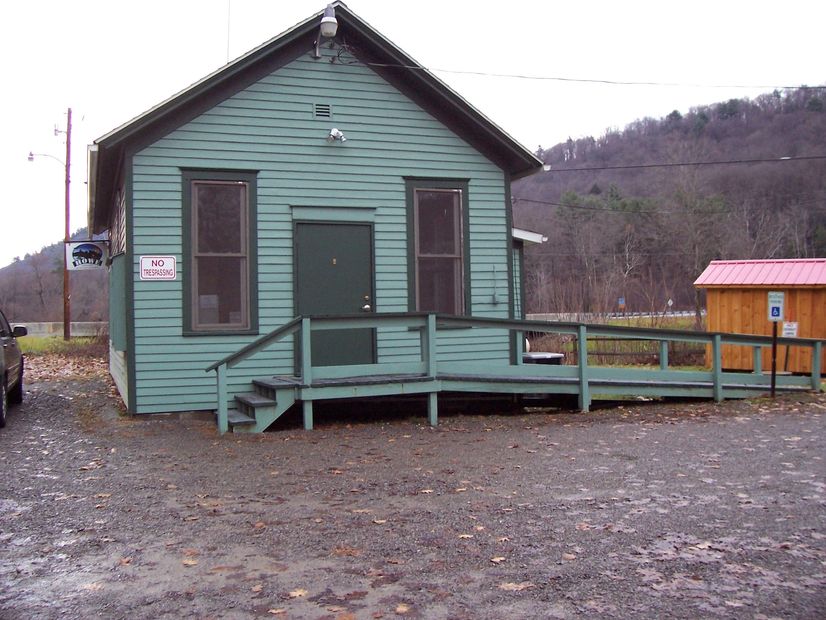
776 302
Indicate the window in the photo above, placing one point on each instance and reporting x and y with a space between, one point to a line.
5 328
438 228
219 274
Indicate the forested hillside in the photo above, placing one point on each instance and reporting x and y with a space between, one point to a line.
31 288
638 224
645 233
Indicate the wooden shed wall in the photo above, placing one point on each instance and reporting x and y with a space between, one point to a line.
270 127
745 311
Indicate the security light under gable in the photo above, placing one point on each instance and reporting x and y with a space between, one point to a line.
329 24
328 29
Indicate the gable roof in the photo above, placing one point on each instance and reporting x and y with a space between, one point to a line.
757 273
387 60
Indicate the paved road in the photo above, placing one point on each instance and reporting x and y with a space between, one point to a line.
651 511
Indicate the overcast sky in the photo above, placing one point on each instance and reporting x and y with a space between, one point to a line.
110 60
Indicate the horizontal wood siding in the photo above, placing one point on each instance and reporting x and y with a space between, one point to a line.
269 127
518 310
117 225
117 302
117 368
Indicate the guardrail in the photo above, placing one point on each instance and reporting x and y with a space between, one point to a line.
78 328
588 317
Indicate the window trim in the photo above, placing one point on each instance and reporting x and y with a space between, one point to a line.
250 178
412 185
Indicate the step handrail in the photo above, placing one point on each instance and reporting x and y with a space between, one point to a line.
256 345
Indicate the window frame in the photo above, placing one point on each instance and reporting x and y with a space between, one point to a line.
460 186
189 177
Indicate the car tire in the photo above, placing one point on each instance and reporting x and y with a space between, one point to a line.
4 403
16 394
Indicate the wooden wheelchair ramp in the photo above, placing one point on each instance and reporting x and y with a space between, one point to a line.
270 397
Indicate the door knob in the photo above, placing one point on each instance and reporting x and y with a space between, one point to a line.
366 308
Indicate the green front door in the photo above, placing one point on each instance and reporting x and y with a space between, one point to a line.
334 275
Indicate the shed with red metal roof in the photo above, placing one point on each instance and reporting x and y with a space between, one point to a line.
737 301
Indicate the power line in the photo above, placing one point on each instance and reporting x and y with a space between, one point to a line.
588 208
808 202
692 163
554 78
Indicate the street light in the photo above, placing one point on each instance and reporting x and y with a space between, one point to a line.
67 313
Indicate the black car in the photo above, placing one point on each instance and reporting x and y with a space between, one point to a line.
11 367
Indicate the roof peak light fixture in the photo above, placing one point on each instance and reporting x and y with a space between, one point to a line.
327 29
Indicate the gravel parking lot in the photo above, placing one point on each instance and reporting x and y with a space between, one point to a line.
647 511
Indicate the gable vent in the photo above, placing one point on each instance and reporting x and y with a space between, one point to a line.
322 110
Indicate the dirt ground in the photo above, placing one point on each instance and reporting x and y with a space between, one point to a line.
646 511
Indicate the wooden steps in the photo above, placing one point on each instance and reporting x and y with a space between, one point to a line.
235 417
256 410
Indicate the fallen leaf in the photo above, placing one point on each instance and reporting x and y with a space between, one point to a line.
257 587
497 559
402 608
426 491
191 552
125 561
460 489
259 525
189 562
277 612
298 593
465 535
93 586
583 526
379 521
515 587
568 556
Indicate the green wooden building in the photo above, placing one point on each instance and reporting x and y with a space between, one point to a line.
315 175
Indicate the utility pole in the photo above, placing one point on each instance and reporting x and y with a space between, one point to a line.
67 312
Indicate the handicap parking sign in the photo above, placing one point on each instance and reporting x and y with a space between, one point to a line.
776 299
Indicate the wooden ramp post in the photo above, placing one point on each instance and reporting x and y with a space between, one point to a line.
582 360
